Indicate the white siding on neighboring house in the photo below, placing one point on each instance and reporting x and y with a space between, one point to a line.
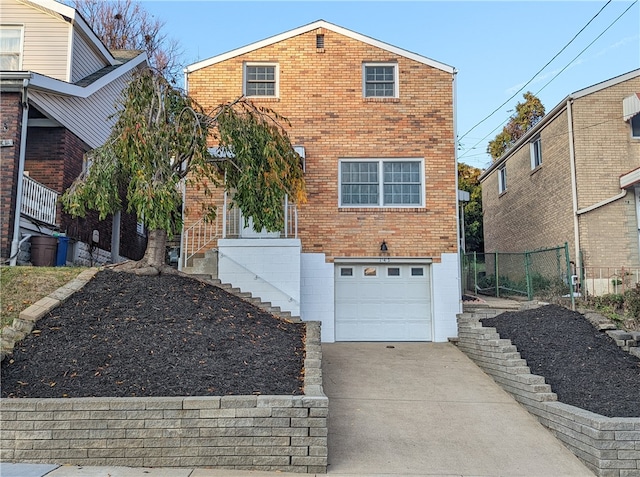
46 39
87 118
85 60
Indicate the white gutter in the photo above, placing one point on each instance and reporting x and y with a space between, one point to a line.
574 187
619 196
15 243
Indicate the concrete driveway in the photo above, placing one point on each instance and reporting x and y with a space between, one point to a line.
425 409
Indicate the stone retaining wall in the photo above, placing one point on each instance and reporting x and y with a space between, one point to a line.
610 447
273 433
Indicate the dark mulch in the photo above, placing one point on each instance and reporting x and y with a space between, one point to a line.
125 335
583 366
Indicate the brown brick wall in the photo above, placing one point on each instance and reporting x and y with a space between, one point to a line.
11 115
321 95
536 210
54 158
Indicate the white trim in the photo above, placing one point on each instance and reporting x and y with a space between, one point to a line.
70 53
502 179
49 84
630 106
17 26
380 161
396 78
314 26
631 178
261 63
535 152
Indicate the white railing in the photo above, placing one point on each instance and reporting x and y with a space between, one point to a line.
38 201
201 234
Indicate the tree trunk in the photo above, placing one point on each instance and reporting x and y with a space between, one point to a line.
154 256
153 262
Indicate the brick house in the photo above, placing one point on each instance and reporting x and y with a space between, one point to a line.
373 254
575 178
59 87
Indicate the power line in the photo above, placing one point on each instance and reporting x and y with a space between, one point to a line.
539 71
585 49
569 64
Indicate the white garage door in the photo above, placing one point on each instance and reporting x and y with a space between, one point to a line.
383 302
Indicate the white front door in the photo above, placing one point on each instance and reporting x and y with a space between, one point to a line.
383 302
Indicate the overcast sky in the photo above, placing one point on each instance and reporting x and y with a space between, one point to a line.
497 47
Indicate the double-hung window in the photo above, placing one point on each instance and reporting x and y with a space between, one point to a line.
380 80
381 183
261 79
10 48
535 149
502 179
635 126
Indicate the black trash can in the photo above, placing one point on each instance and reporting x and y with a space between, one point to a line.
43 251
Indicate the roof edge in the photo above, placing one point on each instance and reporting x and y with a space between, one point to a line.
554 112
310 27
46 83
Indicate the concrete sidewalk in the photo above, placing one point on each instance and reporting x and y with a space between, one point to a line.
402 409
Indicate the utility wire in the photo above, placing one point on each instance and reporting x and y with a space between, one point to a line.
589 45
554 77
539 71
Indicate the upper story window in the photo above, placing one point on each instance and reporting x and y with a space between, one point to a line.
261 79
502 179
635 126
10 48
381 183
380 80
535 148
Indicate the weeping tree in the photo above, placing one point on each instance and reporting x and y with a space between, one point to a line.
159 142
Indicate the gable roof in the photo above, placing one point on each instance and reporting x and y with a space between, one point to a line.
314 26
71 15
554 112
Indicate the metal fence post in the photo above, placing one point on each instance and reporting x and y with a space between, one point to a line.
527 274
475 273
571 294
496 275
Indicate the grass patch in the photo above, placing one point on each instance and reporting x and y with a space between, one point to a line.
21 287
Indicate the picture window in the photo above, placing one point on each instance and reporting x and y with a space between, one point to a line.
381 183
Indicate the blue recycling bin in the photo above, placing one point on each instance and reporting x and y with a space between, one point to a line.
61 257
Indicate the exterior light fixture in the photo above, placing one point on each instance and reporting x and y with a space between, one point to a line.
383 246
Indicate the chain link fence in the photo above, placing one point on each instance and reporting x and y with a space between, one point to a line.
540 274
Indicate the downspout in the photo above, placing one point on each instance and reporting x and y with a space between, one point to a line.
574 189
15 243
182 256
455 158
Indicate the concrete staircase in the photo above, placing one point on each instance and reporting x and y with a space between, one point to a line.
249 298
203 264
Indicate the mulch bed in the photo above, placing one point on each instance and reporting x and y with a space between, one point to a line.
169 335
583 366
